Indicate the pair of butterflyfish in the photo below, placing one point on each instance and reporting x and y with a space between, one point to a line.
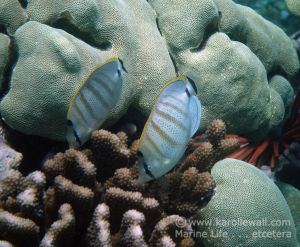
93 100
174 118
173 121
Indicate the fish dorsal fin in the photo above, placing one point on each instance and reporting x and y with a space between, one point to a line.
176 84
195 114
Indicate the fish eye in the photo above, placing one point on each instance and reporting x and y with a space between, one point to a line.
193 85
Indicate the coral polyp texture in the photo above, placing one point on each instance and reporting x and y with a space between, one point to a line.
245 194
293 6
227 49
74 201
12 15
292 197
50 82
4 55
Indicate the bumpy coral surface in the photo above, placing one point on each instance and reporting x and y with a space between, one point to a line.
50 83
293 6
285 90
4 55
292 197
245 194
227 49
219 64
12 15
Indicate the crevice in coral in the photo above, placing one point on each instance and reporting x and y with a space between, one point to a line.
157 24
23 3
277 71
7 74
212 28
172 58
3 29
132 117
174 64
66 24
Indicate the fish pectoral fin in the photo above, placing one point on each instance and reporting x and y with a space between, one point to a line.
195 114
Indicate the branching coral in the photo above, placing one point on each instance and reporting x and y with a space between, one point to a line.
62 231
98 233
5 244
109 149
211 147
9 158
66 200
164 233
17 229
131 231
35 202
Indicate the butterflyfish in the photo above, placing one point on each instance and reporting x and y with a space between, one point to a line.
93 100
174 119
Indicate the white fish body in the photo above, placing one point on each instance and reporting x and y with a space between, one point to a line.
173 121
93 100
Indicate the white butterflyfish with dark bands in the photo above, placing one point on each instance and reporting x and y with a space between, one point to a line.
173 121
91 103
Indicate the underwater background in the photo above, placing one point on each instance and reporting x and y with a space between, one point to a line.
149 123
276 12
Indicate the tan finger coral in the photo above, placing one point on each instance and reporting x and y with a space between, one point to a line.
61 231
131 229
109 151
214 148
98 233
5 244
61 203
18 230
165 231
71 164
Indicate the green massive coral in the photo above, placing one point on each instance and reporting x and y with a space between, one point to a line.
293 6
292 196
4 55
226 72
127 30
246 210
228 50
51 65
12 15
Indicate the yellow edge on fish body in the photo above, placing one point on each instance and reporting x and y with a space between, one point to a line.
178 78
82 84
